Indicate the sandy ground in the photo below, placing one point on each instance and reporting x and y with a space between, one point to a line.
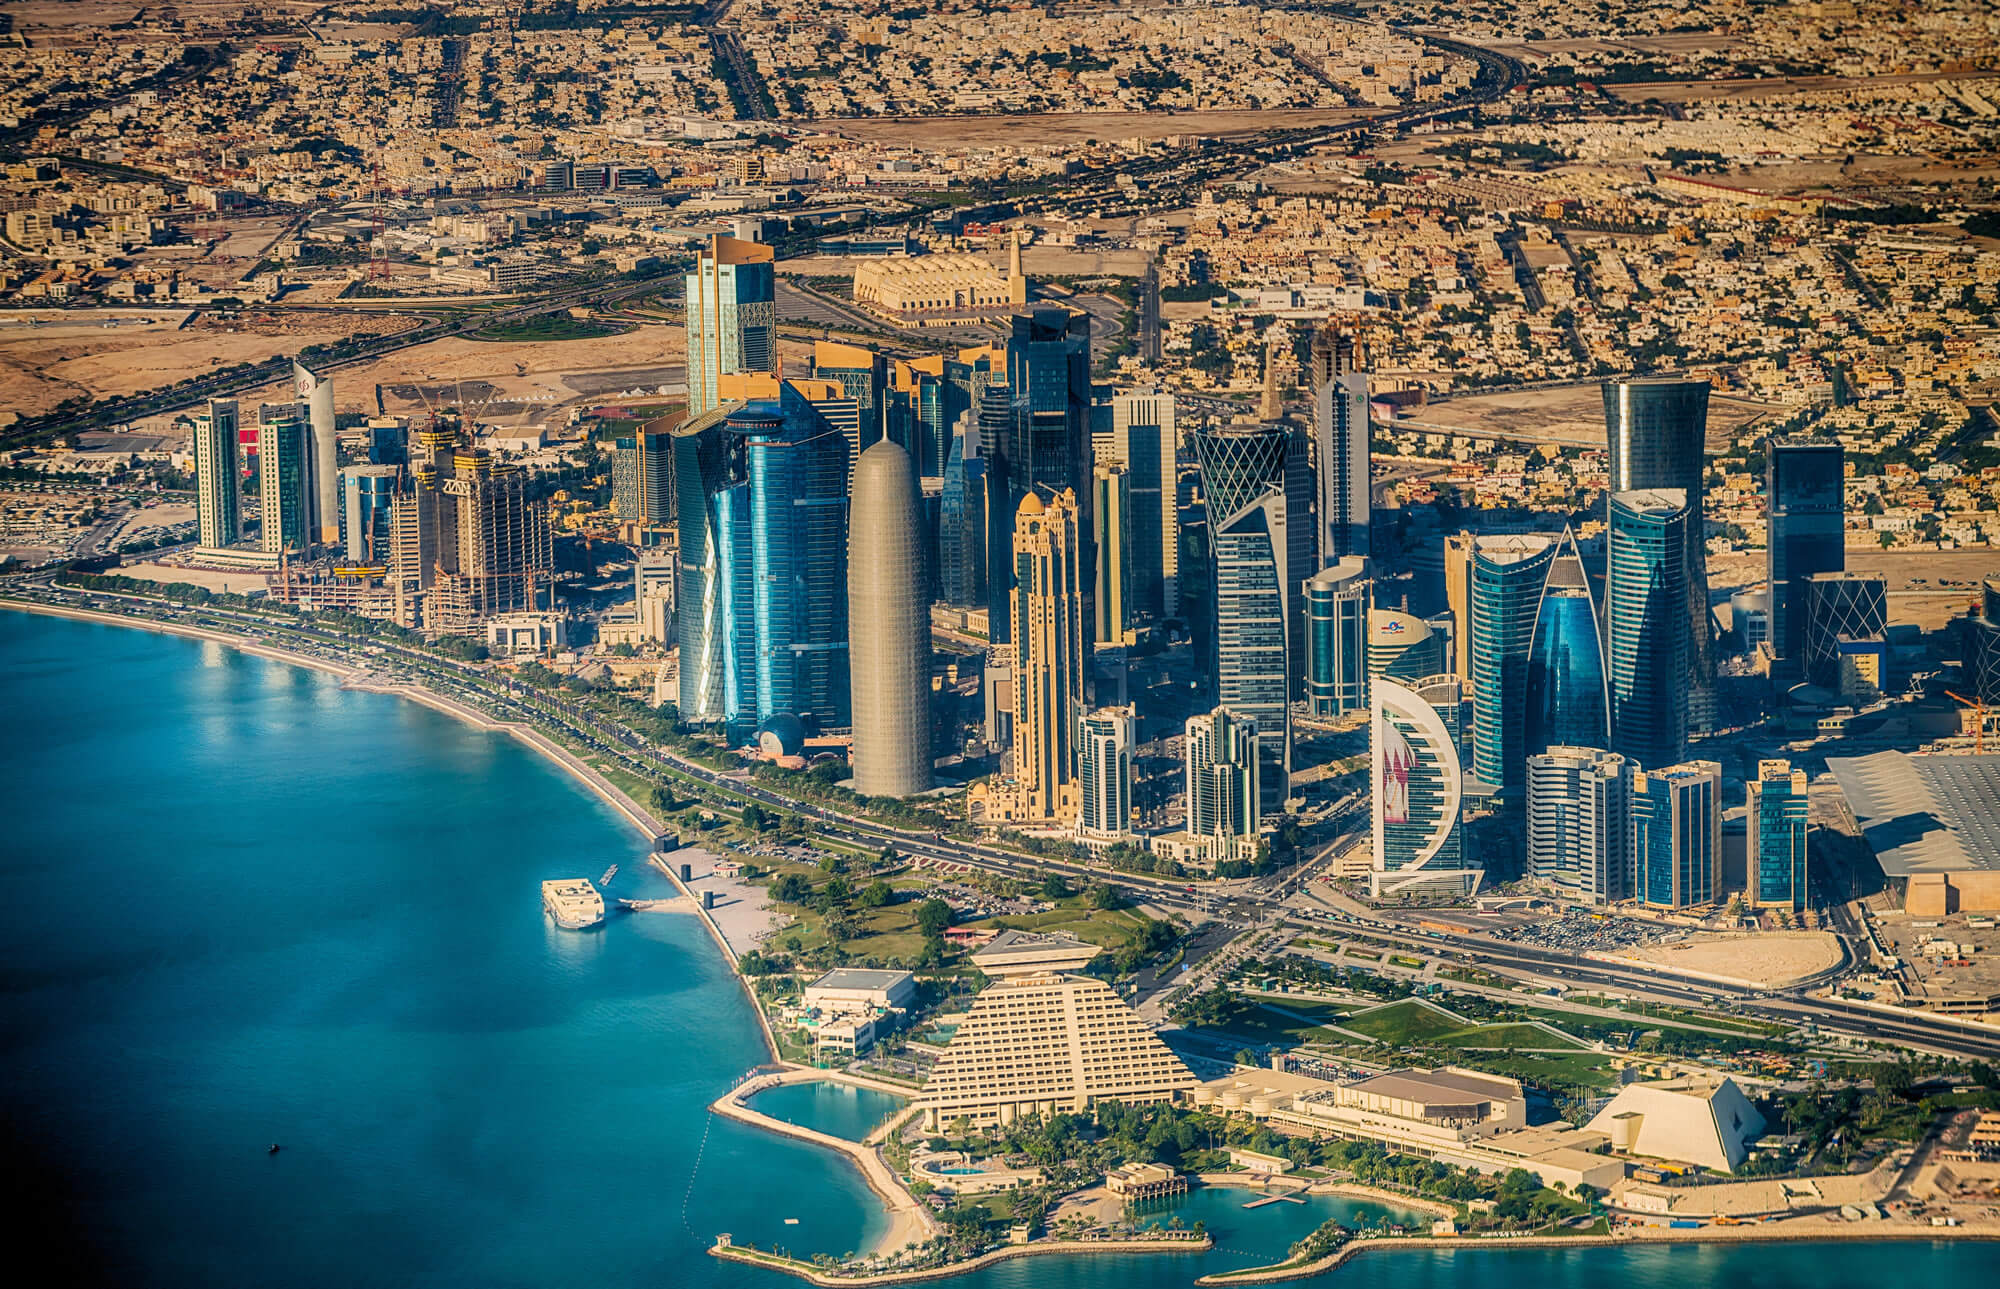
1769 86
1928 606
1771 960
744 912
1072 128
1563 414
233 582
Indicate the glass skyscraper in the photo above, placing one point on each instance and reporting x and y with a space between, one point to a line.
1222 771
962 521
284 475
1646 625
367 494
1677 834
642 476
1776 837
1417 788
218 509
1566 686
1806 520
1104 773
1145 441
1849 608
1336 612
732 319
708 463
1508 575
1046 445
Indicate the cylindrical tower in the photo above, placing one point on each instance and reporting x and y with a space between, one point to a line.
889 628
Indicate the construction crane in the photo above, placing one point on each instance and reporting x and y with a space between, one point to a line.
1978 706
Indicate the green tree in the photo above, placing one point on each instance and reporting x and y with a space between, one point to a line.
1104 897
877 894
933 916
1054 887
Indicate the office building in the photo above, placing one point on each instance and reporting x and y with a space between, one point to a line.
924 404
1104 774
218 503
315 393
1041 1041
1340 438
388 441
1458 599
1646 625
891 668
469 541
1775 849
1579 824
1657 429
1567 700
1112 514
1222 768
642 474
707 464
1051 654
1144 442
1843 613
1415 778
1508 576
1805 517
1045 443
1982 647
731 317
1337 660
862 375
1677 835
368 498
962 522
655 595
1402 647
284 477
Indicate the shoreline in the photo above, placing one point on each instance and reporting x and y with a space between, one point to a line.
807 1271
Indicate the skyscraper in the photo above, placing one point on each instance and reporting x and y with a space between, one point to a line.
368 498
1402 647
707 462
1508 575
1104 774
642 475
1416 780
1458 598
1657 431
1677 834
1982 647
1776 837
284 468
1336 611
218 509
1048 447
1239 464
1805 514
1646 625
891 673
1579 824
962 521
862 375
1253 665
1841 609
1221 773
1145 441
315 392
1111 513
1567 704
469 539
994 418
731 317
1340 436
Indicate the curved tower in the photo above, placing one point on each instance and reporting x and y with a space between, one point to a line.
1566 689
1416 780
1646 625
890 645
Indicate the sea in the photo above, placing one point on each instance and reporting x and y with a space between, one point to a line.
249 908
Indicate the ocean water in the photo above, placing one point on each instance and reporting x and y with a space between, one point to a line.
250 907
837 1109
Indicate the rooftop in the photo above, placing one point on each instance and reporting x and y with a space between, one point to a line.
1021 953
1925 814
1438 1085
859 978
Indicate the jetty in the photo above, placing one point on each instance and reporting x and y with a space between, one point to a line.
1280 1197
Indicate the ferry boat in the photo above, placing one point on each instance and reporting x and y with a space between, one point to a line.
573 902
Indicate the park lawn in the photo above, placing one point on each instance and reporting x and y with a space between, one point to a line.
1271 1027
549 326
1403 1022
1112 929
1578 1069
1523 1036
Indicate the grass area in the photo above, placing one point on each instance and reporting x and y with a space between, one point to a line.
1270 1027
1657 1014
1403 1022
551 326
1579 1069
1113 929
1509 1036
1414 964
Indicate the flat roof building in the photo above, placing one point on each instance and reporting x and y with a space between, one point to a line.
1933 823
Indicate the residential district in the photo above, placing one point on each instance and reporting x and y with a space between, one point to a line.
1203 594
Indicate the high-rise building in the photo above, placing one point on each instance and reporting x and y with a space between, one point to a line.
469 539
642 475
708 462
1340 436
962 523
1842 610
1253 664
1567 704
993 416
891 653
284 476
218 507
1052 653
1112 514
862 375
1657 430
1677 834
1982 647
1508 576
388 441
1458 598
732 319
1416 781
1336 609
1104 774
315 392
1775 857
1579 824
1645 627
368 499
1041 1041
1222 767
1402 647
924 403
1145 441
1805 515
1046 445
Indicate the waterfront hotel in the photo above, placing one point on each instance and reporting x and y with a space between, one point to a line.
1040 1041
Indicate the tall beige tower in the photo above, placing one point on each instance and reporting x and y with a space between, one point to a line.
889 644
1017 281
1050 639
1272 406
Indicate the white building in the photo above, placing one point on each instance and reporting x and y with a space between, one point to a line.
1690 1121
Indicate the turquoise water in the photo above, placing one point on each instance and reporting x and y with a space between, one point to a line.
836 1109
249 907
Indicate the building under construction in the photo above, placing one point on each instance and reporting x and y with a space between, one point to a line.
468 541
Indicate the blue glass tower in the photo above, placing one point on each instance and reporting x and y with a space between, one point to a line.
1566 686
1779 817
707 463
1508 577
1677 834
1646 625
962 522
1336 607
1805 516
366 494
1047 444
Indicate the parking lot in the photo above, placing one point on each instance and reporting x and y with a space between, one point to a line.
1579 931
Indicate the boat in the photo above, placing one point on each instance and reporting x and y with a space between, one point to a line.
573 902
